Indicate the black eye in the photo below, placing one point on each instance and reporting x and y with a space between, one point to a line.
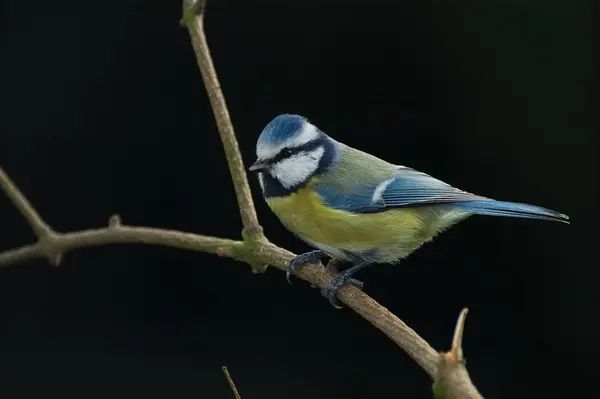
286 152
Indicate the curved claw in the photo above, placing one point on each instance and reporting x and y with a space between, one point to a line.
302 259
288 274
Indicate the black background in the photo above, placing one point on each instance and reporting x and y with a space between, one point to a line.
103 111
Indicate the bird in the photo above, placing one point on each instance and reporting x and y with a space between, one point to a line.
356 208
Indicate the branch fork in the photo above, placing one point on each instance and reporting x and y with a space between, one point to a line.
447 370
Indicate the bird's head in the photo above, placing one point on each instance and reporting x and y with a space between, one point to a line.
290 150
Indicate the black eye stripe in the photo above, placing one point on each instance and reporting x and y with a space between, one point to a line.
288 152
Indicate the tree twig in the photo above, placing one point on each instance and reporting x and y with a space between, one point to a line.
127 235
236 394
38 225
193 11
451 379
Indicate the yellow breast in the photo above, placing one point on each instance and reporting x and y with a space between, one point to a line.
304 213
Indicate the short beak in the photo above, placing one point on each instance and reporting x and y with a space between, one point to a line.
258 166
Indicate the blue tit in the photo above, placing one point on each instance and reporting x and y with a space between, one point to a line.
354 207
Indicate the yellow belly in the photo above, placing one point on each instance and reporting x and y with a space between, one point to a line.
397 232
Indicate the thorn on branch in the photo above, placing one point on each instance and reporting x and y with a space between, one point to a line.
259 268
455 354
452 379
244 254
55 260
114 221
49 245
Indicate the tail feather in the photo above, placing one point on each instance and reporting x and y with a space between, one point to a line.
511 209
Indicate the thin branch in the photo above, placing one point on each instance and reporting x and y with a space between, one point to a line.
62 243
38 225
44 233
231 383
193 17
451 379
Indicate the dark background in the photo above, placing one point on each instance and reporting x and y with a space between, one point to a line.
103 111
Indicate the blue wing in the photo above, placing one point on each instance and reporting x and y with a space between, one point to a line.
413 188
408 187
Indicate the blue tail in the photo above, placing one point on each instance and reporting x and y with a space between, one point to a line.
511 209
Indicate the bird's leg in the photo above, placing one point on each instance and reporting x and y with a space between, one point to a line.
341 279
302 259
333 267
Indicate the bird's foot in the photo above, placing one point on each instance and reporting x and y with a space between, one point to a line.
302 259
339 280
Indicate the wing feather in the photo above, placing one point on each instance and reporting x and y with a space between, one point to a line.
411 187
407 188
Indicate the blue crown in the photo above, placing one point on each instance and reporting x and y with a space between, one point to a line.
282 128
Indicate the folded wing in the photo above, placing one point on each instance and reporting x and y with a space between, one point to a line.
411 188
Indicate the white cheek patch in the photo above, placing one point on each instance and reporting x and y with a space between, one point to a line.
298 168
308 133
